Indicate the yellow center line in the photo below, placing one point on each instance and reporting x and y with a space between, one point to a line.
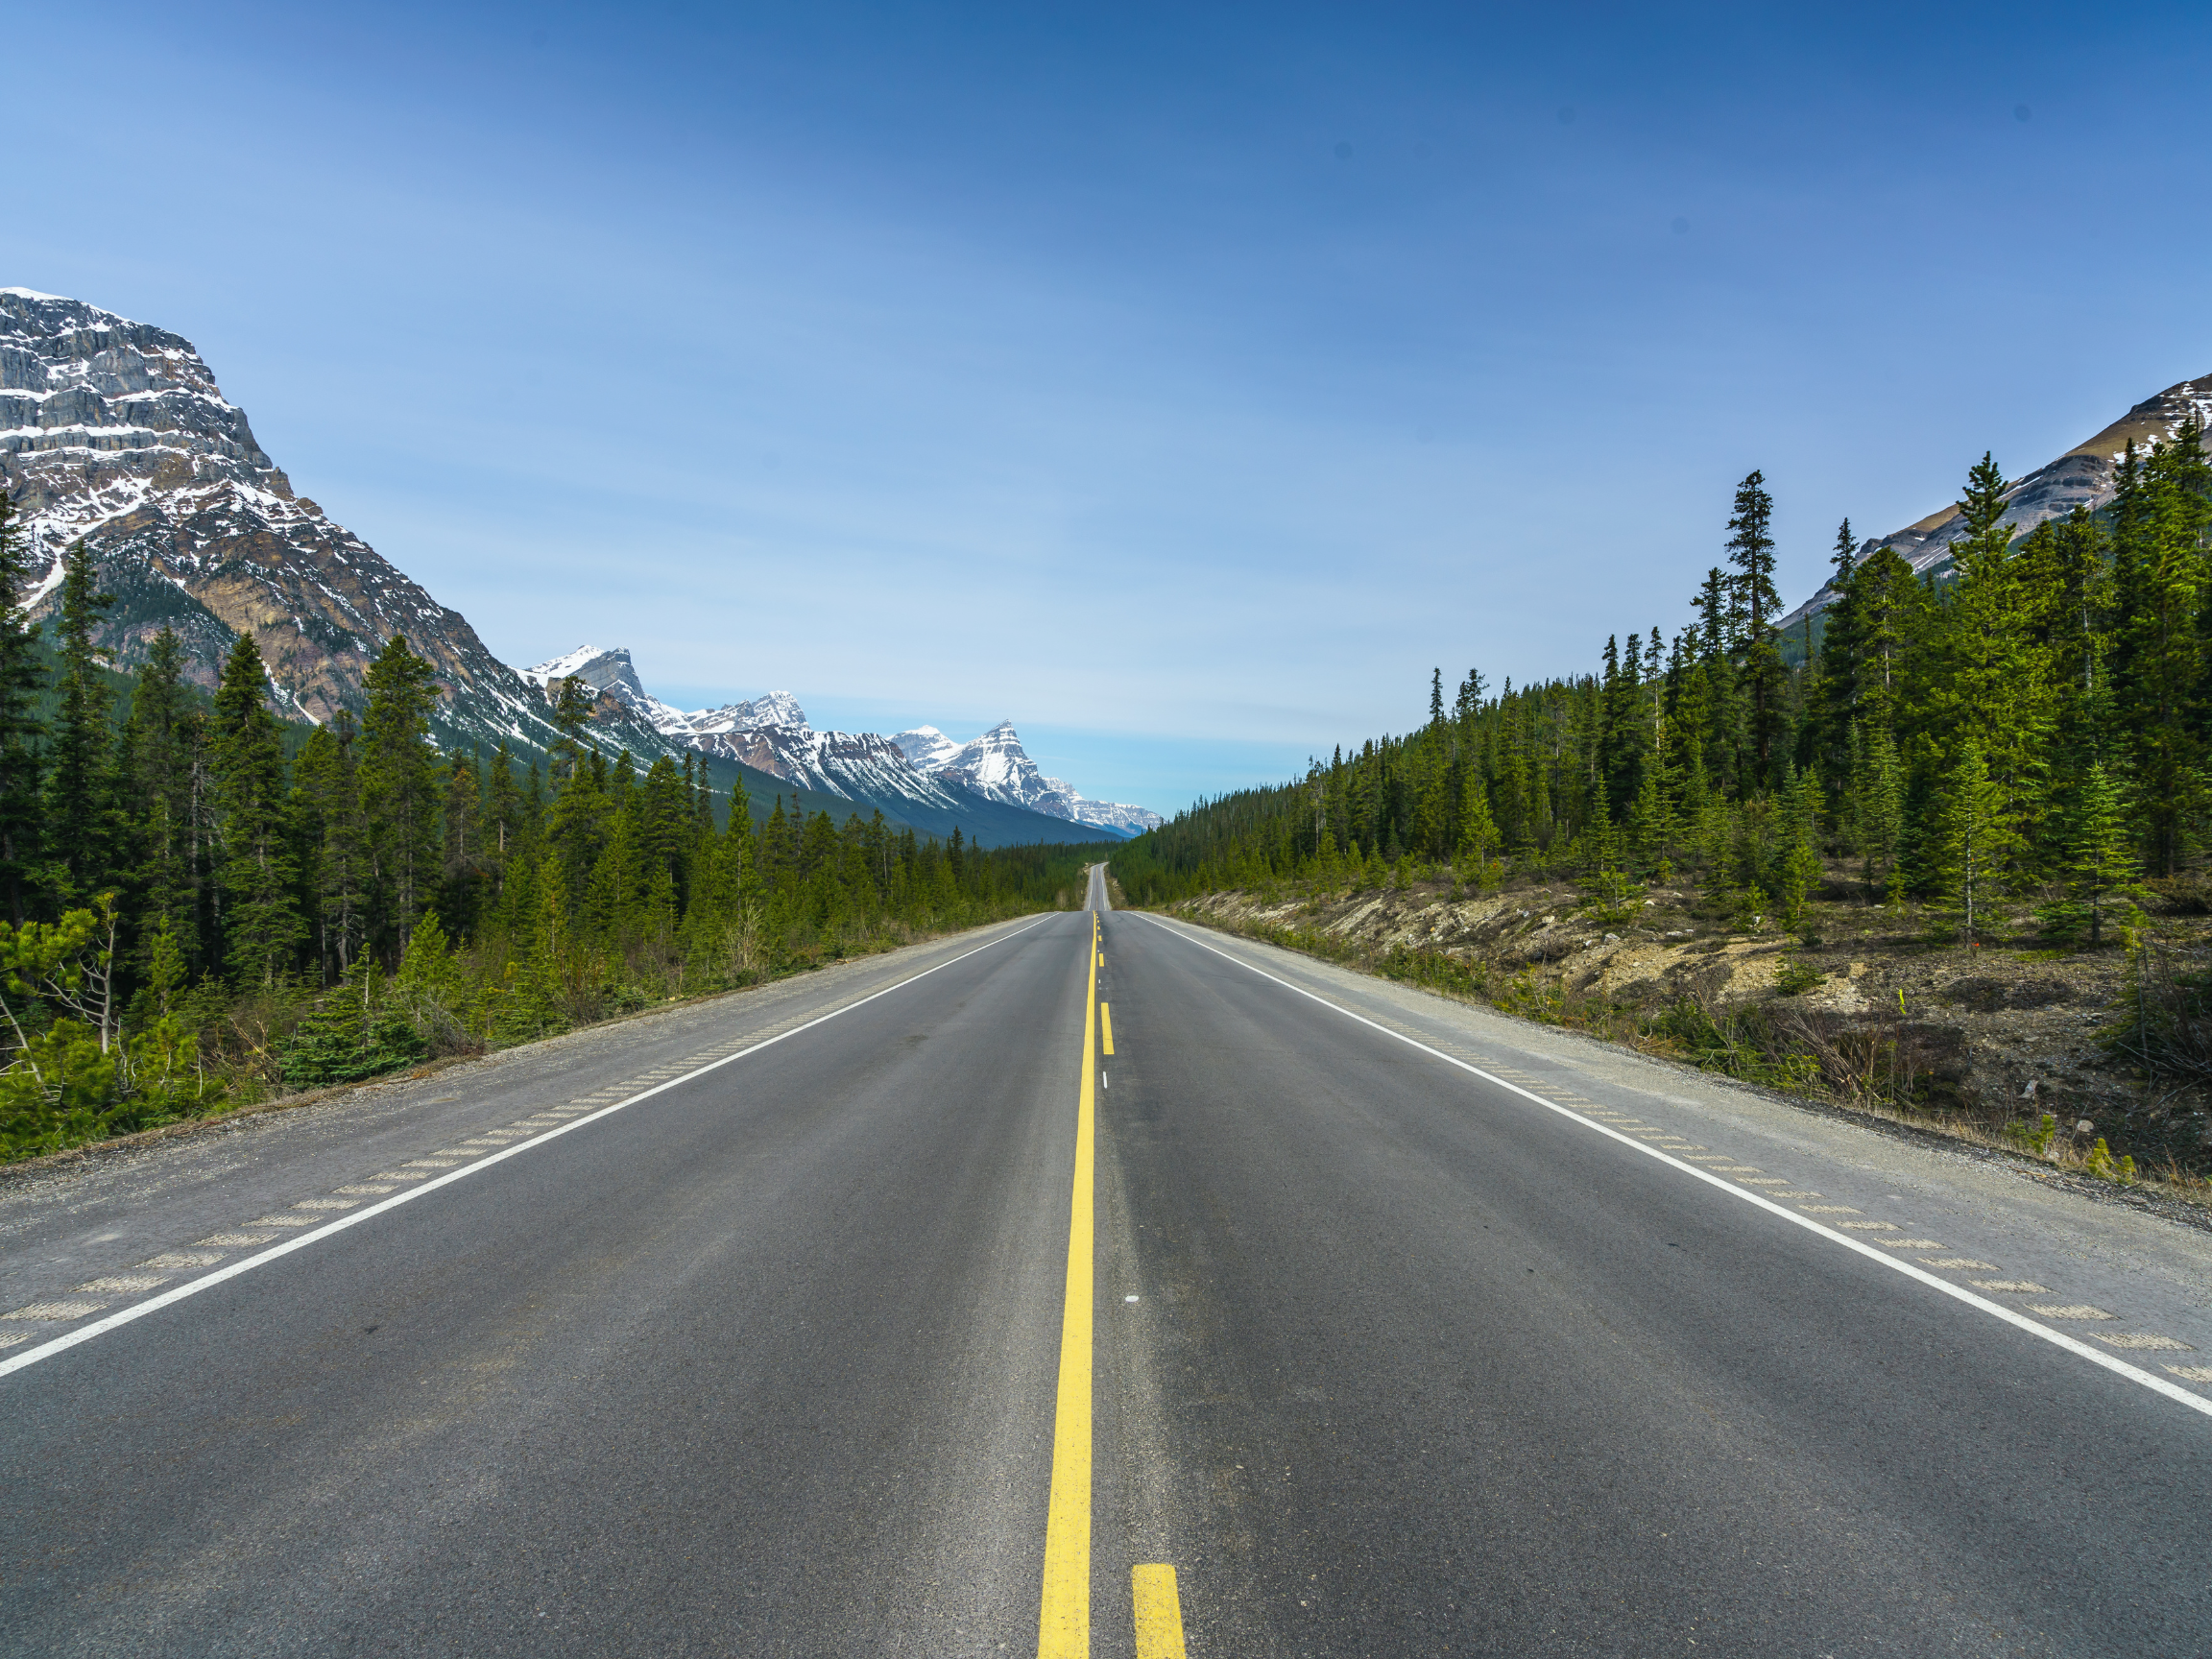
1159 1613
1106 1024
1064 1617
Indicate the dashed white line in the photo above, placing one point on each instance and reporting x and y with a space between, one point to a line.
2145 1341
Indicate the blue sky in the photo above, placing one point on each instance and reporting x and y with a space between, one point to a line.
1180 383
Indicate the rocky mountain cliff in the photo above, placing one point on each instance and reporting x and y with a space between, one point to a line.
2082 477
996 767
116 432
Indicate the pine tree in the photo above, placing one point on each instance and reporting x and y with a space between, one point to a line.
2160 514
1478 830
20 730
2100 867
83 806
161 759
1754 604
261 917
328 781
1973 836
399 794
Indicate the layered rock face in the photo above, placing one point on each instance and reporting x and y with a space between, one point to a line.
115 432
2082 477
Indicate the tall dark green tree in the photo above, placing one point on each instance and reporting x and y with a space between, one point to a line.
260 914
1754 608
2159 661
83 815
172 826
20 680
329 783
399 793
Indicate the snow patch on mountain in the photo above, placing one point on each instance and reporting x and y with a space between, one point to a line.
921 767
612 674
996 767
115 432
927 747
777 709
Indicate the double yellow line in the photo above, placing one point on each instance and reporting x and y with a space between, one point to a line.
1064 1619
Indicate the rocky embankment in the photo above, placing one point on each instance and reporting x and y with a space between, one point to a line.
1874 1011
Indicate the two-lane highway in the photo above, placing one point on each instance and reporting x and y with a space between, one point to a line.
1094 1283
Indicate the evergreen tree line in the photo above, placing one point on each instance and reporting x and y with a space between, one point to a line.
195 904
2033 726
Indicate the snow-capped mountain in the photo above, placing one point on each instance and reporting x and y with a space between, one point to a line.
996 767
612 674
922 768
927 747
776 709
116 432
2082 477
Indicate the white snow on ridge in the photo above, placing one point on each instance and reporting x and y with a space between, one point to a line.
927 747
770 733
775 708
611 673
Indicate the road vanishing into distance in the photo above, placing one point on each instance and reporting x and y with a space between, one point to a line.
1096 1284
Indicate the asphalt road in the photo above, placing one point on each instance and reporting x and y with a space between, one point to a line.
1396 1328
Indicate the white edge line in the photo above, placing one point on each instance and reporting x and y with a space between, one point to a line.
246 1264
2134 1374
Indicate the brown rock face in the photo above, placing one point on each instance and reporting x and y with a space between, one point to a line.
116 432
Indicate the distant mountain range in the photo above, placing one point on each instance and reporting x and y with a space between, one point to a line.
918 771
2082 477
115 432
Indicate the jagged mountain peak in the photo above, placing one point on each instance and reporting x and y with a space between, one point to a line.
612 674
927 747
771 711
116 432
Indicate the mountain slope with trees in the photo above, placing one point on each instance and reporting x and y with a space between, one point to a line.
199 904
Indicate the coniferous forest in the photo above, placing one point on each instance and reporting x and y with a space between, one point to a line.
2016 752
200 905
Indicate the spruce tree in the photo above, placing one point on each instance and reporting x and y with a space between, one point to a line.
261 921
21 679
1973 836
329 783
82 808
1754 605
1478 830
2100 868
2159 664
163 764
399 793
